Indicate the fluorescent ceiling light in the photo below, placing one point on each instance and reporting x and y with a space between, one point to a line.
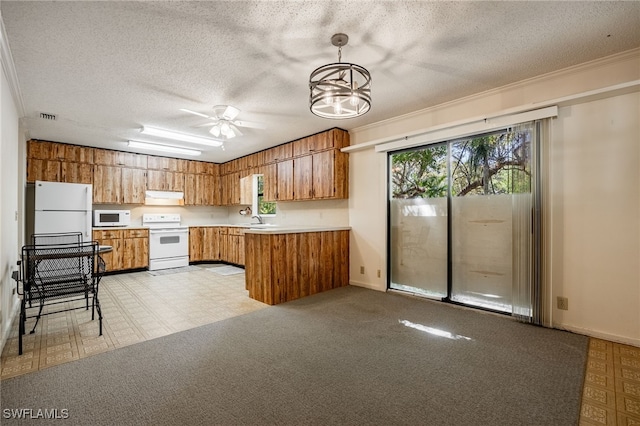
179 136
163 148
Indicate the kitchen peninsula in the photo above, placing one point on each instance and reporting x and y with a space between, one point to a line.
284 264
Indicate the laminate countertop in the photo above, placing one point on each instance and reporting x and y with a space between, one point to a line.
253 228
283 229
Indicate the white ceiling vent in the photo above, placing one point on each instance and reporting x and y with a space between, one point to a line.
46 116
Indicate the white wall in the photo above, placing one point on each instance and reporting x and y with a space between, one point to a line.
594 218
9 184
367 218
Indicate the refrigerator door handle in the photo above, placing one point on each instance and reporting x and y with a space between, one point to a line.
87 225
89 198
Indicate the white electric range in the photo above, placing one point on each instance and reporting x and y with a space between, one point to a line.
168 241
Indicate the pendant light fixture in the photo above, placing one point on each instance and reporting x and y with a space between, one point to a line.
340 90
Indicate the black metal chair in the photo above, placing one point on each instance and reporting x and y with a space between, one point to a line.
59 273
56 238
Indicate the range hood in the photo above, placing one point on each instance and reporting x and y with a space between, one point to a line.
164 198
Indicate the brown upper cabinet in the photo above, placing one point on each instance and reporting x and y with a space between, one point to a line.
76 172
48 170
161 180
270 181
285 180
330 174
321 175
134 185
201 190
166 163
201 167
78 154
107 157
57 162
331 139
282 152
306 169
44 150
110 189
303 177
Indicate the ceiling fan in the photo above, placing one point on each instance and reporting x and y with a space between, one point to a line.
224 123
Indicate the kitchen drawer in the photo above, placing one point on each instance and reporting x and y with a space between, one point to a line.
236 231
136 233
105 234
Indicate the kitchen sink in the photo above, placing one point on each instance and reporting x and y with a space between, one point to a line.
261 225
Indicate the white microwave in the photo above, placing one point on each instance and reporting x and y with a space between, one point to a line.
111 218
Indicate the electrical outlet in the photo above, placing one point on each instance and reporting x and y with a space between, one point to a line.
362 269
563 303
378 273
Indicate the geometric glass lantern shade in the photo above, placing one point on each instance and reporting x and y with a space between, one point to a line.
340 90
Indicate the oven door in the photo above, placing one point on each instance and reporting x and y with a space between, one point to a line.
168 243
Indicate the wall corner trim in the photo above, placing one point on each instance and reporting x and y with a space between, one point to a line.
8 66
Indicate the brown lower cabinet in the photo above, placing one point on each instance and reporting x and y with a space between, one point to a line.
204 243
212 243
283 267
235 246
130 248
135 248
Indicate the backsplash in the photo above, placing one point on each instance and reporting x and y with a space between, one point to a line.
293 213
192 215
305 213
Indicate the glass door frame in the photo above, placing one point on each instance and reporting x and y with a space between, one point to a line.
535 255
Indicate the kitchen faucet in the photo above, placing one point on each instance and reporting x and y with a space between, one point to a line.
258 217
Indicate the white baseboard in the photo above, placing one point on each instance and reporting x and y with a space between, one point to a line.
367 285
599 335
7 327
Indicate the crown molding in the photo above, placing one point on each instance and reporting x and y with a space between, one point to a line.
596 63
588 96
10 70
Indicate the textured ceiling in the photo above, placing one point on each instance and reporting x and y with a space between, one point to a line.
107 68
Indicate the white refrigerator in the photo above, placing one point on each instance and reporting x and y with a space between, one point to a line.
63 207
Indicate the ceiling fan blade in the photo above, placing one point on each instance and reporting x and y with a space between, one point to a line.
235 130
249 124
230 113
193 112
207 124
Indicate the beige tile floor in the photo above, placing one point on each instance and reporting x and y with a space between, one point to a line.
136 307
611 394
139 307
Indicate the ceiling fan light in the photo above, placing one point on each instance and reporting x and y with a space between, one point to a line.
230 133
215 131
224 128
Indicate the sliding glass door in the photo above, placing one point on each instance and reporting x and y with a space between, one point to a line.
418 218
461 220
